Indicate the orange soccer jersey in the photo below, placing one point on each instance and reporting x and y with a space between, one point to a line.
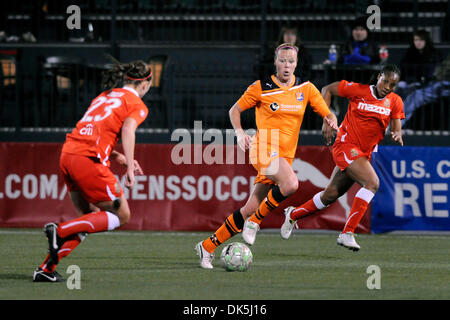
97 133
279 115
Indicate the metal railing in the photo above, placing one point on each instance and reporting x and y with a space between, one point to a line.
62 89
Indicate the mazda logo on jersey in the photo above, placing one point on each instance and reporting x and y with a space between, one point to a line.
274 106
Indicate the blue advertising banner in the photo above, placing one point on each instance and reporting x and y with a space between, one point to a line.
414 191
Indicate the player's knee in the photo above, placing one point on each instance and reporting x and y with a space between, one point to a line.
373 184
289 187
124 216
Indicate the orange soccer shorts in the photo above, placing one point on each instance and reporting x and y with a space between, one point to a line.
262 158
93 180
345 153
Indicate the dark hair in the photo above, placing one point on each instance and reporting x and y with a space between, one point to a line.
298 43
360 21
389 68
133 72
424 35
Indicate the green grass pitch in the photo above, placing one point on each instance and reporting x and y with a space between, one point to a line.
163 265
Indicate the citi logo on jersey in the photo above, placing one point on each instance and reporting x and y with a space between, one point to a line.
373 108
88 130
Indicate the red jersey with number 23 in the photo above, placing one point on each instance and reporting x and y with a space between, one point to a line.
367 116
97 133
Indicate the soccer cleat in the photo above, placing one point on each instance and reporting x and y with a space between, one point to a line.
54 241
249 232
206 258
347 240
289 224
40 276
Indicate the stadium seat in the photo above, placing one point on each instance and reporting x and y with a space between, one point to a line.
66 76
7 90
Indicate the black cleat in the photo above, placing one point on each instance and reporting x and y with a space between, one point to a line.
54 241
40 276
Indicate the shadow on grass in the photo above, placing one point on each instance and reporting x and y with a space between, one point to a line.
13 276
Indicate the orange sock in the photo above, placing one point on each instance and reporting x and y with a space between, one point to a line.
233 224
359 207
270 203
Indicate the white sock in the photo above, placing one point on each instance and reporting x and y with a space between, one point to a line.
113 221
318 203
365 194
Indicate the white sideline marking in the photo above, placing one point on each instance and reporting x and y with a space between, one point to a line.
266 232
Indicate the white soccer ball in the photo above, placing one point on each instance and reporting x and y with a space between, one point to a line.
236 256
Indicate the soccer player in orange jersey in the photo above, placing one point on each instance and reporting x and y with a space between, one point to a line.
280 101
85 163
372 107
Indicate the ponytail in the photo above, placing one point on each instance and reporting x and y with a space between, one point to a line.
134 72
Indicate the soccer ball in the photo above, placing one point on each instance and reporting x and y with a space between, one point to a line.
236 256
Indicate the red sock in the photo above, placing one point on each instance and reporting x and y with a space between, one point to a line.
46 266
71 243
308 207
359 207
89 223
305 209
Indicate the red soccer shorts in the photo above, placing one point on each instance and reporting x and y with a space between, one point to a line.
93 180
346 153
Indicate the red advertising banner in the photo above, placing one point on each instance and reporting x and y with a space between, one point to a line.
193 195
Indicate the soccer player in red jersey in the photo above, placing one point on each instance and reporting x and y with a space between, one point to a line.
372 107
85 163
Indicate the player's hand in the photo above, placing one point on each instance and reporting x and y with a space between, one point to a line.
397 137
329 128
243 141
137 169
129 182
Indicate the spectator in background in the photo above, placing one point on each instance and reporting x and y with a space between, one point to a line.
420 86
359 49
289 34
420 60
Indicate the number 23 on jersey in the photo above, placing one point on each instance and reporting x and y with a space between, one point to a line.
96 113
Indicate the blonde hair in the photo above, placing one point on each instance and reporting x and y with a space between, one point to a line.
285 46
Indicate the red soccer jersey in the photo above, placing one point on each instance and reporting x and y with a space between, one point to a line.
367 116
97 133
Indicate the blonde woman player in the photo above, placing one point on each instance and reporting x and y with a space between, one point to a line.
280 101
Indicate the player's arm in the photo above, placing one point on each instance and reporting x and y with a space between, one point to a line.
330 90
248 100
120 159
319 106
243 139
396 131
128 136
328 129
